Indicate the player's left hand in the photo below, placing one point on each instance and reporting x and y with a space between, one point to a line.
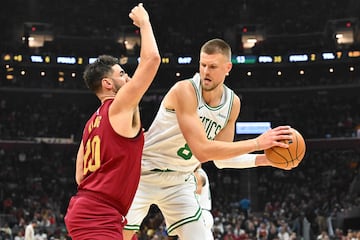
139 15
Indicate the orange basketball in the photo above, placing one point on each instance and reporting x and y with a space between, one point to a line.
287 158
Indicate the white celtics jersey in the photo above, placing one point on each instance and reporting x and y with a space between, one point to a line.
165 147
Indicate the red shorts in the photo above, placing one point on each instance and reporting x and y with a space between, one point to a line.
91 218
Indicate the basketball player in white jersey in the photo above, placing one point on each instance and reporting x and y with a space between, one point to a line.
194 124
204 197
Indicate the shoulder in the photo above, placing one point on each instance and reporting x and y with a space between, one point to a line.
181 92
237 100
182 85
187 85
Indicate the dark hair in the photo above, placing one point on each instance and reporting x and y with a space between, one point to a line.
217 45
97 70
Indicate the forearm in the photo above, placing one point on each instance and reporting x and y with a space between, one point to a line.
242 161
219 150
149 49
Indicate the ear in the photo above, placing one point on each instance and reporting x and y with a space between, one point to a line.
106 83
229 66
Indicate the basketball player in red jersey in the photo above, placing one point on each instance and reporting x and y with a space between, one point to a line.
108 160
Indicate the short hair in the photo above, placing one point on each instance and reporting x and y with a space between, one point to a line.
97 70
217 45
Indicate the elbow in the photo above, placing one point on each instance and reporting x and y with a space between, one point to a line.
152 63
202 156
156 56
78 179
156 59
203 150
153 58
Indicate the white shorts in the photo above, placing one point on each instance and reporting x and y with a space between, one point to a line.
172 192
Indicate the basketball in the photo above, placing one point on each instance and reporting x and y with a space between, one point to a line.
287 158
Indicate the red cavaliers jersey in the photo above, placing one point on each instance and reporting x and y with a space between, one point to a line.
111 162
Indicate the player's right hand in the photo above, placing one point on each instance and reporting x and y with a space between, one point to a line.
139 15
275 137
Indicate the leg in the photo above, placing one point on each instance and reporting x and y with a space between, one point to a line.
208 218
194 230
102 221
139 207
181 210
128 234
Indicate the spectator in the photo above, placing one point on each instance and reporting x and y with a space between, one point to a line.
30 230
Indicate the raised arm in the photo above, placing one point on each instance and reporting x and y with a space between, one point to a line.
131 93
124 113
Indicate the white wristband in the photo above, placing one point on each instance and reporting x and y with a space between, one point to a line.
242 161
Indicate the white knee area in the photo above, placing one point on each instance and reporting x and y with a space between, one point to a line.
208 219
194 230
242 161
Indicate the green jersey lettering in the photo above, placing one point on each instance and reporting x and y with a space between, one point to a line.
185 152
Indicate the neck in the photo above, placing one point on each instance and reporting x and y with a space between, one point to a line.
213 98
103 98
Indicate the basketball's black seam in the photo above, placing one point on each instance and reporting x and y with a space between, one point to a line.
286 161
290 154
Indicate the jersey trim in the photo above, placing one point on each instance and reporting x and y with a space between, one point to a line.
196 90
231 106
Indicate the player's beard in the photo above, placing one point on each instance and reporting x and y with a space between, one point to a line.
116 88
208 87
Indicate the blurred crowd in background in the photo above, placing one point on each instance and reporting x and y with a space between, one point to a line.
41 119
